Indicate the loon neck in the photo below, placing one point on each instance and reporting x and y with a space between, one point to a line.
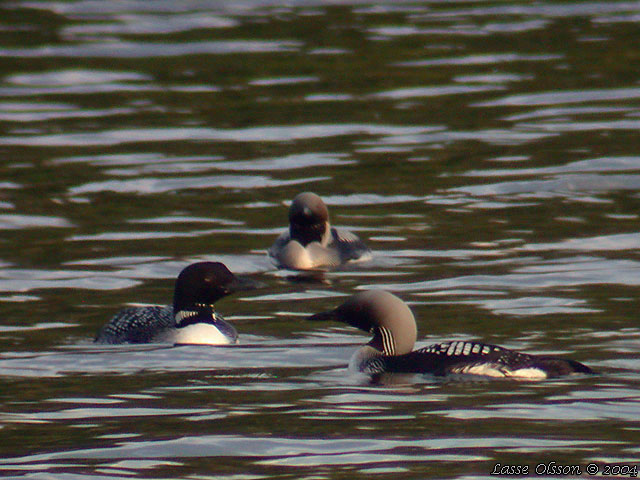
383 341
309 233
198 313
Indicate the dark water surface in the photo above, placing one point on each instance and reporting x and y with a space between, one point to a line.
488 152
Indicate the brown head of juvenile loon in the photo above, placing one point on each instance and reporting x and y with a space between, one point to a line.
310 242
190 320
394 331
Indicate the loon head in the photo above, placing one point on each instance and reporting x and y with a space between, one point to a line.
202 284
381 313
308 219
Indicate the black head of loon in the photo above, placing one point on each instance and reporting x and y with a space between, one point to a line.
191 320
197 289
308 219
202 284
393 326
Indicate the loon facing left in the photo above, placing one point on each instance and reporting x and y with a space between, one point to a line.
394 331
191 319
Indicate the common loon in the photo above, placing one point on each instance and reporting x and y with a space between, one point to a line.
311 242
394 331
190 320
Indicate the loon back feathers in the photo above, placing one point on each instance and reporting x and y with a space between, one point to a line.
137 325
393 327
348 245
462 357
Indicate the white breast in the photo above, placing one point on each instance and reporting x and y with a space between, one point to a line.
361 357
295 256
314 255
200 334
528 374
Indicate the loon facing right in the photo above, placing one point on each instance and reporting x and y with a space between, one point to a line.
394 331
192 318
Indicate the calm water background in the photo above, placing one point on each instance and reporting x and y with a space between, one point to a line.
488 152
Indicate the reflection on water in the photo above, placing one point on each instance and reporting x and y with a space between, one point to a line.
486 152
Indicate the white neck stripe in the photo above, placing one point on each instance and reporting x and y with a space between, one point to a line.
388 345
182 314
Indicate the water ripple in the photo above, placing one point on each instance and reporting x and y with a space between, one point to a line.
122 49
564 97
561 185
307 451
600 164
161 185
568 273
435 91
484 59
250 134
139 24
202 164
16 221
546 10
471 30
74 77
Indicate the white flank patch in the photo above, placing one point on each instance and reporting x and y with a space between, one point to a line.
528 373
498 371
200 334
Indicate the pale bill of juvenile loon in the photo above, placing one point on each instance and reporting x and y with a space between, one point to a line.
190 320
394 331
311 242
